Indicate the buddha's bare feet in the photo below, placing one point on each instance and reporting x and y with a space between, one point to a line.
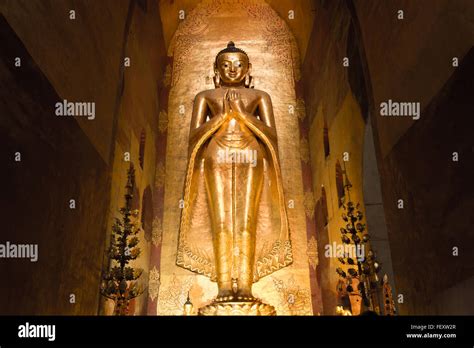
245 295
225 296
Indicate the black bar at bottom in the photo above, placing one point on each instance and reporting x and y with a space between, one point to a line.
136 331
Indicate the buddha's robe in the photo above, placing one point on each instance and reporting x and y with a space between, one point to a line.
265 213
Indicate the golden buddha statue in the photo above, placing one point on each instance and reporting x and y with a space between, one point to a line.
234 226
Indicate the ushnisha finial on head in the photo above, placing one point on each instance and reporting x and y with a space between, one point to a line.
231 49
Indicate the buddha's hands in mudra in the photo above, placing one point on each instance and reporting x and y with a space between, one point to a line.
233 102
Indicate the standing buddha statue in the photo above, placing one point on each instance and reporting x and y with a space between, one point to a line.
234 226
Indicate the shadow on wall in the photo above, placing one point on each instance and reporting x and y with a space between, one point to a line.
438 196
58 164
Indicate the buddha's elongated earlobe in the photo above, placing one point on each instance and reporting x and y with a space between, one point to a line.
217 79
248 77
247 80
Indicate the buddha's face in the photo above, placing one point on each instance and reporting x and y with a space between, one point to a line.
232 67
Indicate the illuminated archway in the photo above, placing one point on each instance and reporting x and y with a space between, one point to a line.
255 27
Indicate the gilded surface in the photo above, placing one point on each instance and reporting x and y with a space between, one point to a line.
294 298
160 175
157 231
273 32
304 150
309 204
300 108
195 251
167 76
174 294
154 283
204 33
238 308
312 252
163 121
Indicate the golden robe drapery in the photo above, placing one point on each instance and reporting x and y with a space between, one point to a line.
273 245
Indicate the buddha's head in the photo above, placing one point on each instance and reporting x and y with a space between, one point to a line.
232 67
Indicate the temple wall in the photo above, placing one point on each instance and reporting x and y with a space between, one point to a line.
437 197
138 115
298 15
349 127
337 108
82 59
58 163
411 59
79 60
414 158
